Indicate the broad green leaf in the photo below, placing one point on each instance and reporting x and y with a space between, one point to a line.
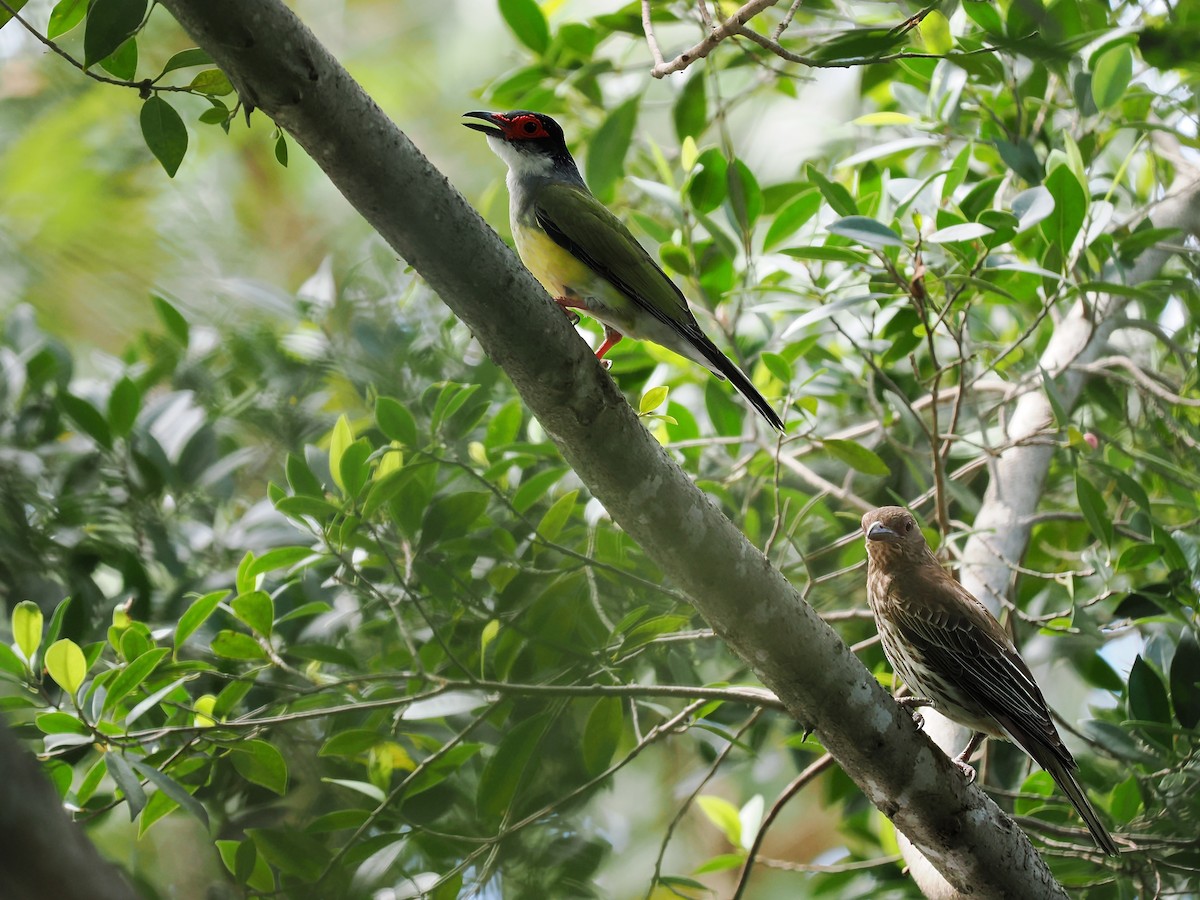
534 487
791 218
724 815
690 112
606 152
235 645
172 789
123 406
835 194
131 786
1185 680
185 59
652 399
88 418
353 743
259 762
451 516
968 231
857 456
1147 699
395 421
720 863
66 664
65 16
935 32
354 467
1070 208
555 518
211 82
164 133
196 615
109 24
745 196
256 609
341 438
602 733
778 366
234 854
1111 74
866 231
27 628
528 23
707 186
505 771
122 62
278 558
130 677
1092 505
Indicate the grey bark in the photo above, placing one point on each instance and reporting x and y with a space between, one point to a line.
43 853
275 62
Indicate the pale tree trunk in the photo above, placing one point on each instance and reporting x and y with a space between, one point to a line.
277 64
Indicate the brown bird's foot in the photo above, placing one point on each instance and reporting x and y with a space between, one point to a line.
565 304
911 704
611 338
968 751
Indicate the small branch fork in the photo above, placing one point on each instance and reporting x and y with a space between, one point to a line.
735 26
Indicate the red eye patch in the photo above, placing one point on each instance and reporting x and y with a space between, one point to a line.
524 128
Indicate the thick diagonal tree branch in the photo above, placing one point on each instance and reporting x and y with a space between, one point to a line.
278 66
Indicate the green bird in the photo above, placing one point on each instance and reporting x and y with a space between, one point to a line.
586 258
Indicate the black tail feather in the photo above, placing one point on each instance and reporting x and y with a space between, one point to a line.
725 366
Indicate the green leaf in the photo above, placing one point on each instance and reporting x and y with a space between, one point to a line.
65 16
395 421
867 231
534 487
281 150
211 82
967 231
606 152
1111 74
66 664
1091 504
235 645
791 218
291 851
196 615
451 515
164 133
185 59
260 763
27 628
745 196
341 438
130 677
778 366
256 609
173 319
653 399
724 815
528 23
354 468
552 523
935 32
856 456
506 769
109 24
123 406
1070 208
235 856
301 479
726 415
172 789
1147 699
353 743
88 418
835 194
279 558
720 863
122 62
690 112
1185 680
708 184
127 781
602 733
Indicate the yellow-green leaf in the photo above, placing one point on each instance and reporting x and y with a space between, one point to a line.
27 627
724 815
653 399
66 664
935 32
342 437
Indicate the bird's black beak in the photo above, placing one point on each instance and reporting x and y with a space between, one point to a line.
490 130
880 532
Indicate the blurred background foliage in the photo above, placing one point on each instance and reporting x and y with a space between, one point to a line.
322 566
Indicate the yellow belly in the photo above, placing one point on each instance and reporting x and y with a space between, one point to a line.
560 273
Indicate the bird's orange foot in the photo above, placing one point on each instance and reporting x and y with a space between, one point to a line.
611 338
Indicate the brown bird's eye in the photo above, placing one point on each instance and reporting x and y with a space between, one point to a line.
907 527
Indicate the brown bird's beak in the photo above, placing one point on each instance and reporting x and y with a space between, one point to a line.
490 129
880 532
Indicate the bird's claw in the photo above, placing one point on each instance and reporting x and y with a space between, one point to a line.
918 719
966 768
605 364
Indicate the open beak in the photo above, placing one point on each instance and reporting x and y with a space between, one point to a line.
880 532
490 130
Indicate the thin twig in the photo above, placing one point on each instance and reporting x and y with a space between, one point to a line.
730 26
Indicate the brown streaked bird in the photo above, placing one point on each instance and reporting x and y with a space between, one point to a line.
951 652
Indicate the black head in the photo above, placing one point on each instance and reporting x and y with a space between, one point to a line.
522 129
